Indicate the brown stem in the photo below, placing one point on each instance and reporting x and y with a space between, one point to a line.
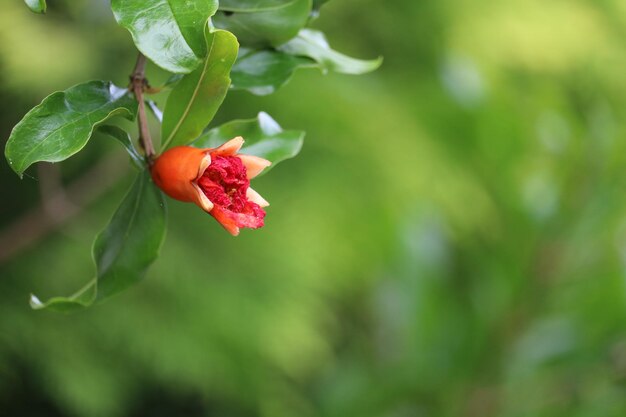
138 84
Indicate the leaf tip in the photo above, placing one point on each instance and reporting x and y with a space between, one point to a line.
36 6
268 124
19 172
376 63
35 303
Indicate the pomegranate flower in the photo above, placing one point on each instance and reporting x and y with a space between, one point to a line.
215 179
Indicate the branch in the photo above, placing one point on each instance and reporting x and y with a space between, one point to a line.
138 84
40 221
53 198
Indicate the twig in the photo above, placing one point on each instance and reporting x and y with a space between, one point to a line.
53 197
37 222
138 84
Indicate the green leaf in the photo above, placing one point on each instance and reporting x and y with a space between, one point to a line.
123 250
263 22
313 44
263 137
263 72
123 137
62 124
196 98
37 6
169 32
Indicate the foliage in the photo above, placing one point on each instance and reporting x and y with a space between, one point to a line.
196 97
450 243
263 23
169 32
63 123
180 37
123 251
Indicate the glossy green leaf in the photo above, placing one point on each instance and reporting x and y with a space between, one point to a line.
263 22
263 72
37 6
123 137
196 98
313 44
169 32
263 137
62 124
123 250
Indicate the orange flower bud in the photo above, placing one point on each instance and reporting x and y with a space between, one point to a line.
217 180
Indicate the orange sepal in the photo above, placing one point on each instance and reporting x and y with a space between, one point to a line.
176 171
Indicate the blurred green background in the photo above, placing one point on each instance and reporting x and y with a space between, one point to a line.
450 242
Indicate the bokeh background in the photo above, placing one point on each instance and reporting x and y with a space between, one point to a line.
450 242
